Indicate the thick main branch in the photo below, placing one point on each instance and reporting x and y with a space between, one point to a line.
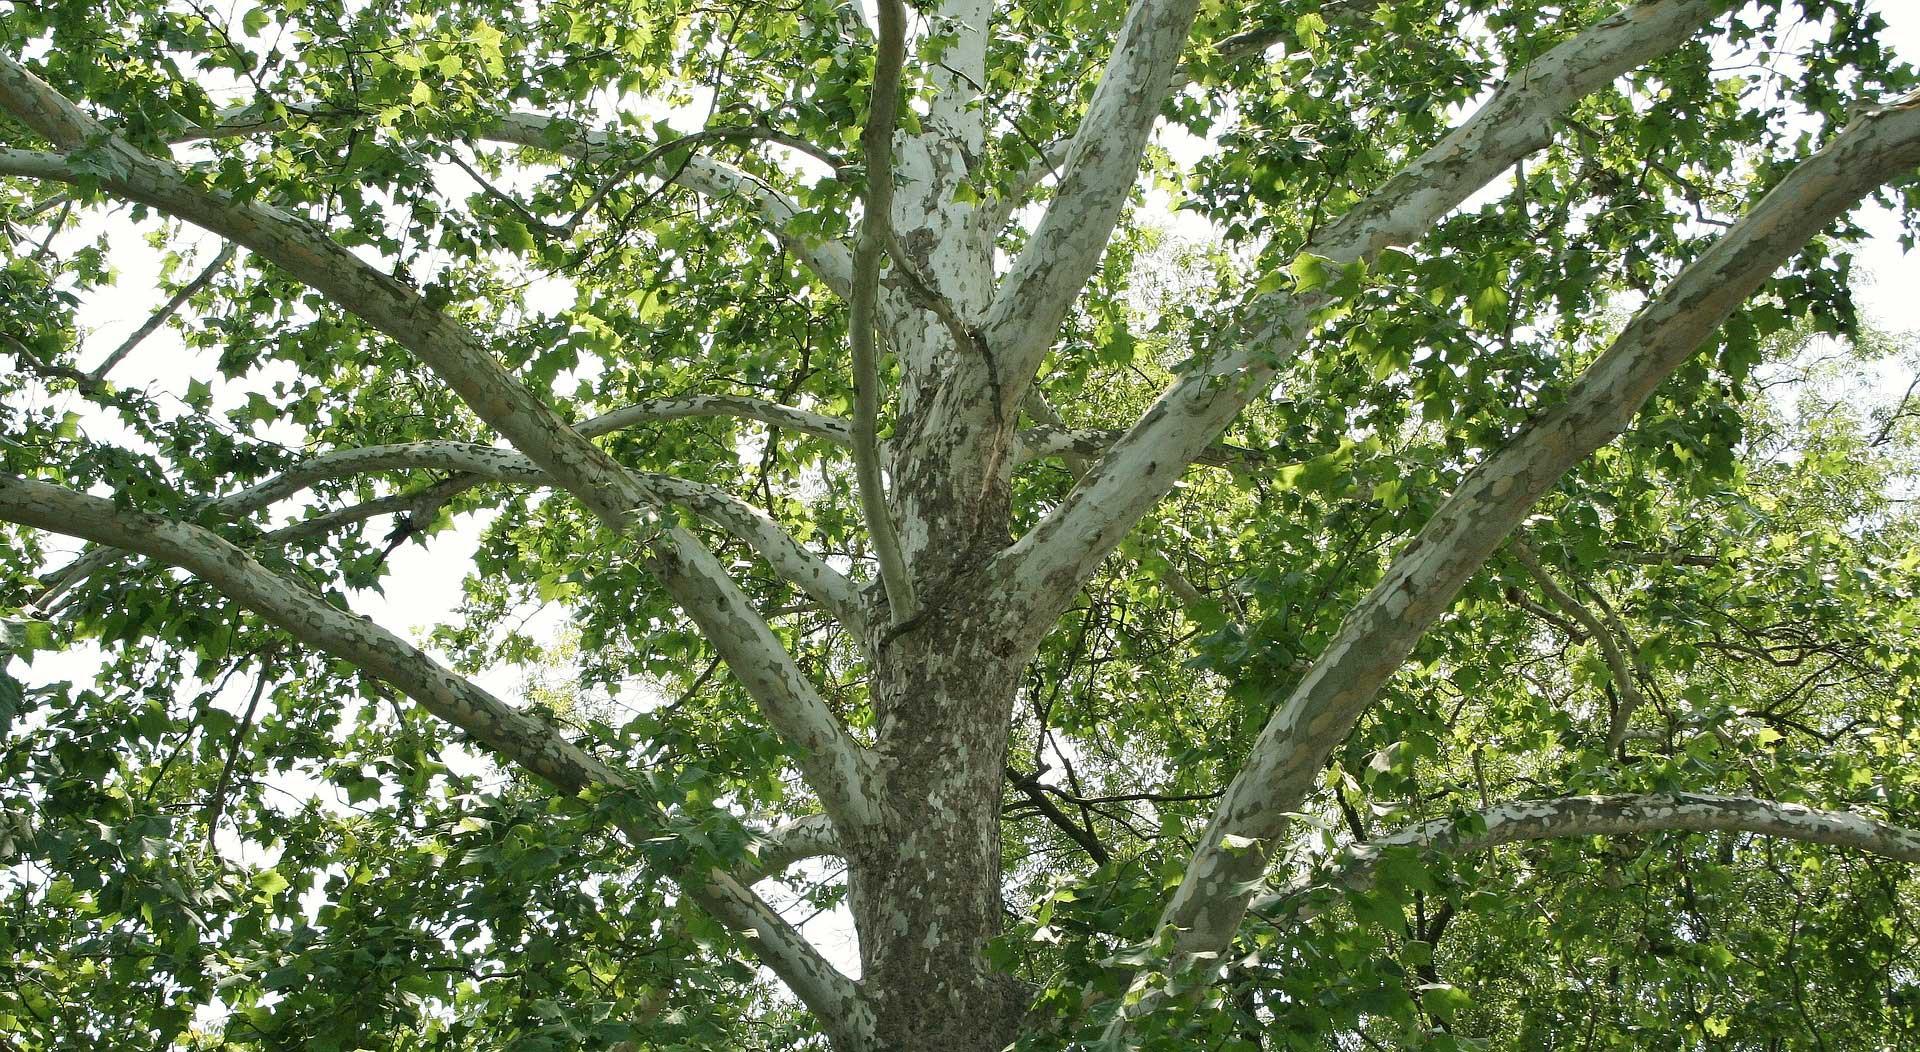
1493 499
870 252
834 765
1046 567
507 732
1102 163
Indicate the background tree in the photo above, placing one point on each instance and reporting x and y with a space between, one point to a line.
1277 638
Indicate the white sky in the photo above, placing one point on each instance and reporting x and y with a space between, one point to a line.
425 583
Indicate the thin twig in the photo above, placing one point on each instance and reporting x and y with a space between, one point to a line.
219 801
167 309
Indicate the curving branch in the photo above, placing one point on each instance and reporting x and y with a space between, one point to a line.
1231 50
421 505
870 252
843 1011
1047 565
304 251
831 589
1079 446
1616 658
1354 867
470 458
833 763
829 260
1076 449
716 180
773 414
839 596
509 733
474 464
512 735
812 836
1495 496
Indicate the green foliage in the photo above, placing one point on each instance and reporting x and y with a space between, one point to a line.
329 869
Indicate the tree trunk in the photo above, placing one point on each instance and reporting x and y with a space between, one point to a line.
926 891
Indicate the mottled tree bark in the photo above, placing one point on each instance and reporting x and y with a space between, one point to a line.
926 890
916 810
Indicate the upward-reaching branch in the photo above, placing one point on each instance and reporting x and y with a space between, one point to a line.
1045 568
876 230
1103 161
833 763
304 251
1227 51
1494 497
159 317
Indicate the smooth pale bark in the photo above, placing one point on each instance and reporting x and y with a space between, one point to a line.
1076 449
390 305
1102 164
949 454
1240 47
773 414
476 465
937 234
1041 572
1513 821
496 725
422 505
1376 636
925 893
834 765
917 816
781 847
1054 440
512 735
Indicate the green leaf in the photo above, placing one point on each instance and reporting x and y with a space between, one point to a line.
1309 28
269 883
1310 272
514 235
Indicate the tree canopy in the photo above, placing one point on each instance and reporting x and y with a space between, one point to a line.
1300 524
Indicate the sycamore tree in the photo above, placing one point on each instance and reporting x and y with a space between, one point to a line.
1290 524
